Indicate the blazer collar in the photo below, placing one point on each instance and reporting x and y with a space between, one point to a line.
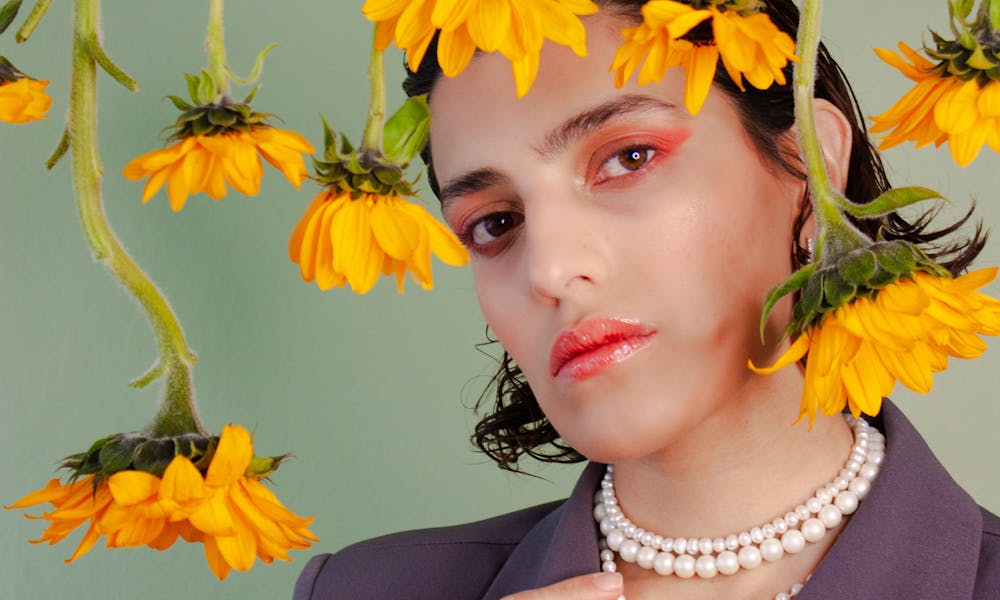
916 535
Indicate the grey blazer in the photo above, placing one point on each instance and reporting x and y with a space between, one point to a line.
917 535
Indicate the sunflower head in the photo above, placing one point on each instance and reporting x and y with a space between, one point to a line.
139 451
210 113
381 171
975 51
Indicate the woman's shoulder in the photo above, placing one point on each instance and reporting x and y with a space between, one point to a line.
462 559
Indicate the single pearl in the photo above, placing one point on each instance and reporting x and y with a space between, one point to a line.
744 538
684 566
606 526
846 501
841 483
749 557
705 567
813 505
667 544
629 531
802 512
797 588
664 563
615 539
791 519
780 526
793 541
680 545
876 457
771 550
868 471
628 551
853 465
767 530
599 512
692 546
732 542
813 530
609 566
831 491
756 535
823 495
727 562
782 596
644 558
860 487
656 541
638 534
705 546
607 555
830 516
646 539
718 545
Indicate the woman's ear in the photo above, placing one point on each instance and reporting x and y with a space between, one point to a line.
834 131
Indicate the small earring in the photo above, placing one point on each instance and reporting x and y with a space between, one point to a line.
811 248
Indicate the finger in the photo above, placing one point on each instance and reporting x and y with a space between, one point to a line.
595 586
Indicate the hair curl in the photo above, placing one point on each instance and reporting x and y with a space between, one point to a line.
515 425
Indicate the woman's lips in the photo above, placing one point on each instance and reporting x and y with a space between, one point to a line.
594 345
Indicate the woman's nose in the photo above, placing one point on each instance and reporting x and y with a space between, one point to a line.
565 251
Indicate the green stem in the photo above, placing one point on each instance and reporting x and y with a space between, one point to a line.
34 18
372 138
216 49
176 358
836 234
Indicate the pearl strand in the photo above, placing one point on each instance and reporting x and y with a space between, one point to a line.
748 549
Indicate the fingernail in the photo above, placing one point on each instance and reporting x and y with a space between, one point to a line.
608 582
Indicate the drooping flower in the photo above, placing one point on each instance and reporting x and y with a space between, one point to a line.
941 108
206 163
678 34
22 99
227 509
515 28
905 333
342 239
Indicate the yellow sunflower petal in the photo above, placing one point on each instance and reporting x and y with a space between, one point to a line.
232 457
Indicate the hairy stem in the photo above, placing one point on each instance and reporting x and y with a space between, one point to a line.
176 358
216 49
372 138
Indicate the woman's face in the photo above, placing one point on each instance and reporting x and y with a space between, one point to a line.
621 247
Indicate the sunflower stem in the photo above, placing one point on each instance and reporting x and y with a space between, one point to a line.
177 411
836 236
34 18
216 49
372 138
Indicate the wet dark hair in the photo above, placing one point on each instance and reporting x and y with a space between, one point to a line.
515 425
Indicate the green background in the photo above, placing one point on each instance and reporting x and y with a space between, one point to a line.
370 393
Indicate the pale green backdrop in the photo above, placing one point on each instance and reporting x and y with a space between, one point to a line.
370 392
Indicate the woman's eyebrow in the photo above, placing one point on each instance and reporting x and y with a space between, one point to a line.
579 125
470 183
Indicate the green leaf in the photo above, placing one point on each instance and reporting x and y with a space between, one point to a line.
961 8
405 133
836 289
206 89
995 14
896 257
810 300
255 72
796 281
221 117
8 13
179 103
858 267
890 201
192 85
388 175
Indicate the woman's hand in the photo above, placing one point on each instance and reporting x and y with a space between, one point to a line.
595 586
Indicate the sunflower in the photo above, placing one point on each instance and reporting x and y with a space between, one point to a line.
22 99
208 162
515 28
227 509
346 239
940 108
676 34
906 333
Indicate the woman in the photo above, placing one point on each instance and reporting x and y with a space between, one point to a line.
622 249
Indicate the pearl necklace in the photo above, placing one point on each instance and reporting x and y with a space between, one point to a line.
808 522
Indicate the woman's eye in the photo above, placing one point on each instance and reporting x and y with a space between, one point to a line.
488 229
626 161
